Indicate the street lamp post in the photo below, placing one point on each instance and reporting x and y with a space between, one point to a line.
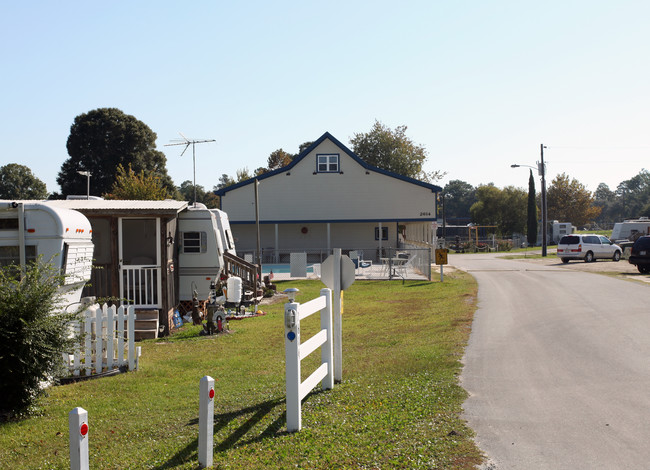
87 175
541 169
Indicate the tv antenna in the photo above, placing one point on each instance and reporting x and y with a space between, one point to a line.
187 142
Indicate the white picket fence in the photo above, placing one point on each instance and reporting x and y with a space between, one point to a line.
296 352
108 340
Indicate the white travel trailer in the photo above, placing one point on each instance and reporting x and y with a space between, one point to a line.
626 229
63 237
227 240
201 249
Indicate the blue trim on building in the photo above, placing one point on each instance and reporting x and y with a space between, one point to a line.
333 221
327 135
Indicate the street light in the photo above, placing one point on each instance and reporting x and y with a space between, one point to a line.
541 169
86 174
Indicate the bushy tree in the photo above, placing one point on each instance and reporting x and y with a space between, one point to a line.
34 333
633 195
568 200
102 139
131 186
18 182
392 150
459 197
278 159
505 208
210 200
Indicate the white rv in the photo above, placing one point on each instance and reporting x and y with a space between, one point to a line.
227 240
626 229
200 256
63 237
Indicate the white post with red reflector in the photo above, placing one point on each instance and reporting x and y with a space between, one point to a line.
206 421
78 429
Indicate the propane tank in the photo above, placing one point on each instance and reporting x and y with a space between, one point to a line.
234 289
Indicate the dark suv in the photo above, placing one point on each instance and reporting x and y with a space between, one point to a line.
640 254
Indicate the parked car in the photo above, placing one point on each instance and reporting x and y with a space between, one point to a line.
587 247
640 254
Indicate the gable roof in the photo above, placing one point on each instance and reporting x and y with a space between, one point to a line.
350 153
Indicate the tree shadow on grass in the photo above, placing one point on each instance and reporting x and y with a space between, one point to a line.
235 439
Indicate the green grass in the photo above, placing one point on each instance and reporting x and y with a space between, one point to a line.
398 406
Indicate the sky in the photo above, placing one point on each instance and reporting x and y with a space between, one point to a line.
480 84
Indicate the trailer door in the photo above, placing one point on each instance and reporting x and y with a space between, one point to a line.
140 262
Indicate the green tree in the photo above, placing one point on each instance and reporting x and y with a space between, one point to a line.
531 225
392 150
569 201
102 139
137 187
610 209
633 195
18 182
505 208
278 159
210 200
459 197
34 333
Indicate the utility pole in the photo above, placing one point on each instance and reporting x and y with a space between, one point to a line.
542 172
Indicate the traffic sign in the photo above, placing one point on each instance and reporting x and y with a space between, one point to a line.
441 255
347 270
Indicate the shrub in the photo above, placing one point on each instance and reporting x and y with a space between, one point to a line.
33 334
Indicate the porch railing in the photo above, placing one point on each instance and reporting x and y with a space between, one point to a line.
141 286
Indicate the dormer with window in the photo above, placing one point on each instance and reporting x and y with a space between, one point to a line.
328 163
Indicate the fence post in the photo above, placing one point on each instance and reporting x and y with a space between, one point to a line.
327 349
206 421
78 430
88 330
110 337
131 334
292 362
99 343
120 336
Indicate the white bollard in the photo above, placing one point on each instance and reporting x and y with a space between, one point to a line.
206 421
292 364
78 430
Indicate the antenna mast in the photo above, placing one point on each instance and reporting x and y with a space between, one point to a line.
187 142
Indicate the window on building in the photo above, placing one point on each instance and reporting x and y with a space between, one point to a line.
327 163
384 233
195 242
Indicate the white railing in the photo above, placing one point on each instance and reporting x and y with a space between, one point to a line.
295 352
140 286
107 340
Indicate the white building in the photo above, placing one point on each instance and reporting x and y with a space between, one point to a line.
329 198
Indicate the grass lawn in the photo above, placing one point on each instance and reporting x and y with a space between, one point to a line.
398 406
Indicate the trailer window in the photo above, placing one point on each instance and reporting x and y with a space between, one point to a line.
11 254
195 242
9 224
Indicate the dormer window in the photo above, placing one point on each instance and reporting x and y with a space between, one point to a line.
328 163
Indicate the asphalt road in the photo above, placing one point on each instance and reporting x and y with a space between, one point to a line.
557 367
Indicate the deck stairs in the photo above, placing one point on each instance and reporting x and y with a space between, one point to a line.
146 324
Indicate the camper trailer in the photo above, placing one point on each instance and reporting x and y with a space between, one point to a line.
200 256
227 240
627 229
62 237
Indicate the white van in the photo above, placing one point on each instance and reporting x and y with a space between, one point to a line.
63 237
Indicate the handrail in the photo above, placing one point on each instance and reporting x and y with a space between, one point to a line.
236 266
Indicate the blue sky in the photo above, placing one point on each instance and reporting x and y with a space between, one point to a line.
479 84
